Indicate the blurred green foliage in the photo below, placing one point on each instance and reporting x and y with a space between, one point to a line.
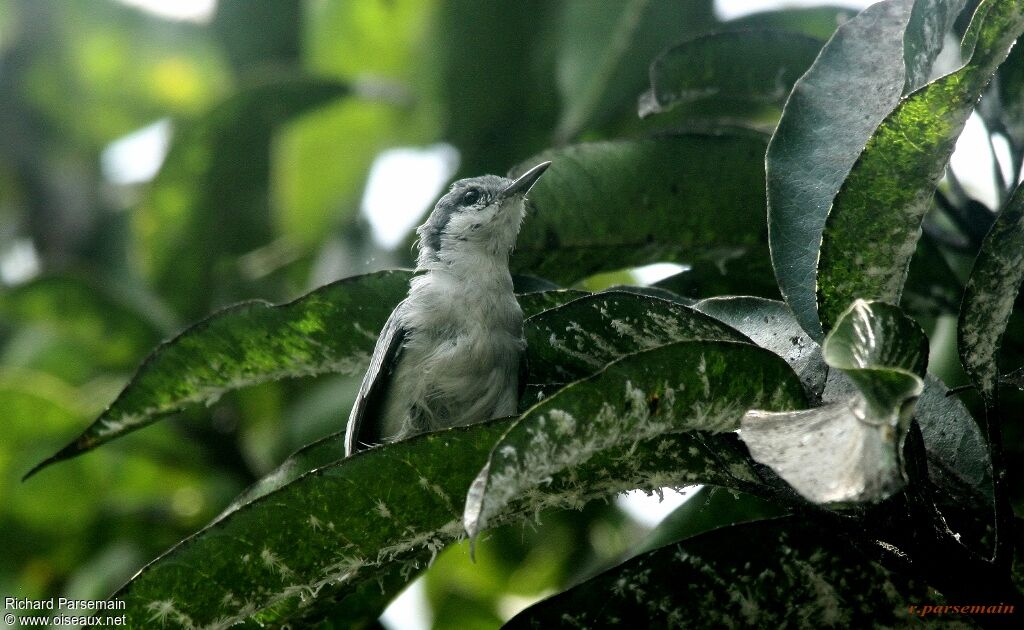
277 110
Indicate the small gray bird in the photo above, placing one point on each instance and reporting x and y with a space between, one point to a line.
452 352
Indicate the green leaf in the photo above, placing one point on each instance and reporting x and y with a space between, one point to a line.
883 353
818 22
340 526
581 337
770 324
750 66
603 54
112 332
207 205
610 205
767 574
959 465
683 386
332 329
990 294
539 301
832 111
899 169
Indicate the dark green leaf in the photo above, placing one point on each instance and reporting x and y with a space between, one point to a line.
684 386
770 324
834 108
899 169
332 329
603 54
769 574
582 337
959 464
610 205
535 303
386 511
660 293
990 294
758 66
884 354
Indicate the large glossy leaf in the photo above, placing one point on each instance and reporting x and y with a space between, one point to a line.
865 252
770 324
768 574
959 465
610 205
339 525
582 336
832 111
540 301
206 203
850 449
332 329
748 66
990 294
603 54
684 386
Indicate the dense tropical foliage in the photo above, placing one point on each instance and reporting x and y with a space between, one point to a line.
837 359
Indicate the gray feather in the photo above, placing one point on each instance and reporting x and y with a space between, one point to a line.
375 382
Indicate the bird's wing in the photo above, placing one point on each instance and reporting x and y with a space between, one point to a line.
385 357
524 374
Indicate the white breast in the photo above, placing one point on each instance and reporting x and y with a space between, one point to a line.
460 361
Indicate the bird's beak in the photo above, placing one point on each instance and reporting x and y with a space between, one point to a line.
526 181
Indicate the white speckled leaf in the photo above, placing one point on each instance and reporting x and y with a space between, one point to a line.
779 573
990 294
330 533
683 386
849 449
331 329
771 324
580 337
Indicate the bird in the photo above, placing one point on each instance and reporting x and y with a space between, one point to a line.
452 352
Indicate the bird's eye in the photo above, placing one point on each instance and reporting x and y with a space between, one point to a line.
472 196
